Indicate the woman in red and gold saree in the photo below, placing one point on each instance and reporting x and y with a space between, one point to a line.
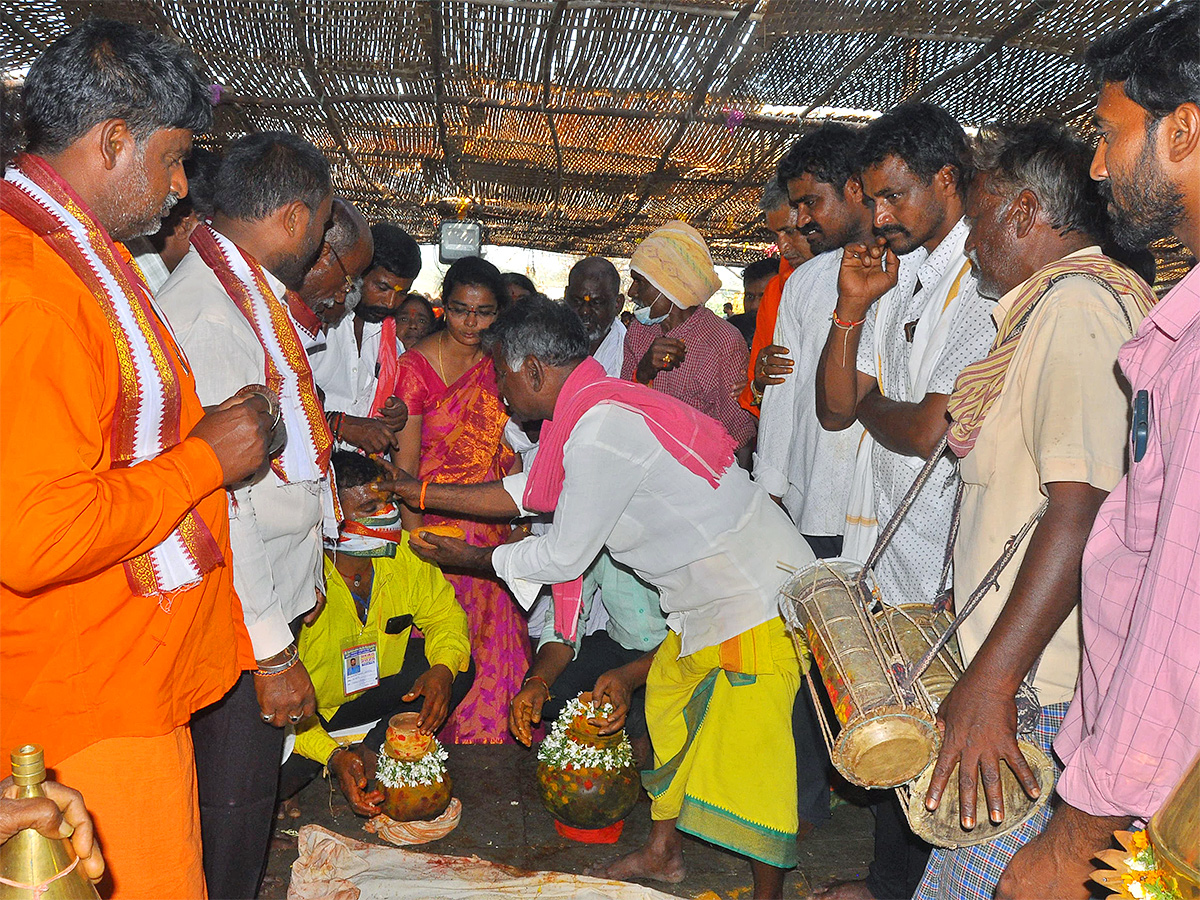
456 420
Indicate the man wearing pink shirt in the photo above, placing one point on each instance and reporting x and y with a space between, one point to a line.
1134 724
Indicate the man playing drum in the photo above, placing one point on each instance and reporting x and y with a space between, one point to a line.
1043 415
1134 723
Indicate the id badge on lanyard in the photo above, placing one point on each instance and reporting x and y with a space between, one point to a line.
360 664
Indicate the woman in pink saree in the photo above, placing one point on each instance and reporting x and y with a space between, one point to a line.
453 435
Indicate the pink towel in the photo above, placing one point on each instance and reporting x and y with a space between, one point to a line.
699 443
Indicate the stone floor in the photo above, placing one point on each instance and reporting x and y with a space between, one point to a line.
503 821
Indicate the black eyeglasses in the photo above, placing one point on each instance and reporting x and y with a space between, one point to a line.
337 259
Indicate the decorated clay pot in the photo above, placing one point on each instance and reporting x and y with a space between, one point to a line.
409 803
411 772
577 793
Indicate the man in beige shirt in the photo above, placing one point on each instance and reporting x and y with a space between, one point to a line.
1042 417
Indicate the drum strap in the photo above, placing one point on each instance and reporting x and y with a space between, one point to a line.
988 582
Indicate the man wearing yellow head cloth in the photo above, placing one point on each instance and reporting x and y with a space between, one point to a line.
677 345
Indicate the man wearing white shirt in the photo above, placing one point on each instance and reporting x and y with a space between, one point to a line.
908 319
803 466
358 346
800 464
594 292
272 204
689 521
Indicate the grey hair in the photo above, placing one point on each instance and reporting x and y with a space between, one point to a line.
1043 157
550 332
774 195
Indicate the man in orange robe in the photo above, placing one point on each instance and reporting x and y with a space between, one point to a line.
766 359
118 617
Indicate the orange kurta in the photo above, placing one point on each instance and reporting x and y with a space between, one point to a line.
82 658
764 328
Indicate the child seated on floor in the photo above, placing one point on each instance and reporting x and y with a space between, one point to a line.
364 664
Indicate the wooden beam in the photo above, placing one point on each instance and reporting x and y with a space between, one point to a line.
437 64
313 75
628 212
556 18
830 91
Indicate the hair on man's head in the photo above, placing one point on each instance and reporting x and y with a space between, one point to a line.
924 137
395 250
761 268
104 69
828 153
1156 58
264 171
1043 157
541 328
354 470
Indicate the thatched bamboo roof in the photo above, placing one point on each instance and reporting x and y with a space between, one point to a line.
579 125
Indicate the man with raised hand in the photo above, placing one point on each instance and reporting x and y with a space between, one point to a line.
906 322
118 618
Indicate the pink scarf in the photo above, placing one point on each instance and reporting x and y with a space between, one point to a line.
699 443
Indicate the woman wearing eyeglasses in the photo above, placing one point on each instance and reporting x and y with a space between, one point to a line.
454 434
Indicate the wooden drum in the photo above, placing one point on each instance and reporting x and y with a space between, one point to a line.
885 739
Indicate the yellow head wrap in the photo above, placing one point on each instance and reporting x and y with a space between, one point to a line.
675 259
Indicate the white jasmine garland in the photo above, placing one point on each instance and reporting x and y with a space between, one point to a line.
560 751
429 769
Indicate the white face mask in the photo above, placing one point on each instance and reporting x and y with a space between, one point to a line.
642 314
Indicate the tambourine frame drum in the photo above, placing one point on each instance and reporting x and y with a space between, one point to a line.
943 827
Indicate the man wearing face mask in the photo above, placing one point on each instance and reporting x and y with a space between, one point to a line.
378 590
678 346
227 302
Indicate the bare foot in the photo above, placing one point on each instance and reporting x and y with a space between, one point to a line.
844 890
643 863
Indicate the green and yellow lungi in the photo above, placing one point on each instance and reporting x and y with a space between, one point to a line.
721 724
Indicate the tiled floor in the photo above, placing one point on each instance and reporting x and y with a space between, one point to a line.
504 821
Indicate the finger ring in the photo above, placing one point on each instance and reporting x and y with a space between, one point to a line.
667 359
266 718
294 718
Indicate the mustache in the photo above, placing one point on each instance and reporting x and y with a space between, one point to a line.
885 230
810 229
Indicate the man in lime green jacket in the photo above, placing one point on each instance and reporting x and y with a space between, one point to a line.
360 655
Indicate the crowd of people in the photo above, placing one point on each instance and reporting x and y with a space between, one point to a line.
225 412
